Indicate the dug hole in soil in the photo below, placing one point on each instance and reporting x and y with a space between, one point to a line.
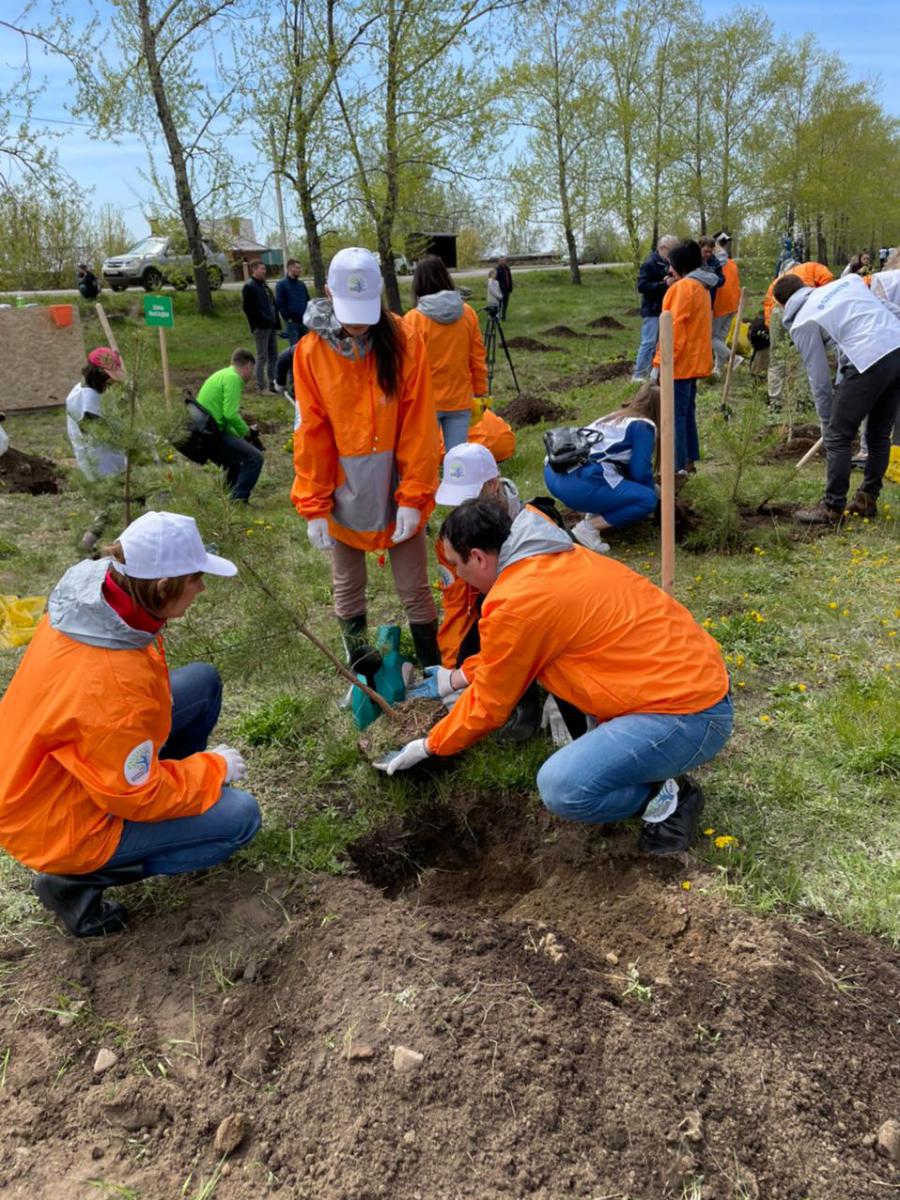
20 472
527 1009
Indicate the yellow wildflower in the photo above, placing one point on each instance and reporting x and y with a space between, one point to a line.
832 604
725 842
708 832
764 718
686 885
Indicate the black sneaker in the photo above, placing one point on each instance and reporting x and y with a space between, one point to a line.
675 834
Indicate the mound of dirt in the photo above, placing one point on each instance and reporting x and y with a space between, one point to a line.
541 1013
527 343
796 441
605 323
601 373
20 472
632 312
564 331
530 409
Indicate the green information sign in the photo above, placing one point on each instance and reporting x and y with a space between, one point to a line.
159 312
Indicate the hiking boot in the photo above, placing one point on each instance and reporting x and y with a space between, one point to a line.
675 834
586 535
819 514
863 505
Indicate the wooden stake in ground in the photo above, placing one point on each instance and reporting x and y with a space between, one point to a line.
667 451
110 337
726 411
164 358
302 627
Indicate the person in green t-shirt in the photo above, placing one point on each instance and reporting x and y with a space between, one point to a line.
233 450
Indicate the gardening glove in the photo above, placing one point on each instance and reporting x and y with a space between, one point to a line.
235 767
401 760
317 529
406 525
552 720
435 685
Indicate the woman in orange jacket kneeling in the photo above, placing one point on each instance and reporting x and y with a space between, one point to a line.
366 450
104 773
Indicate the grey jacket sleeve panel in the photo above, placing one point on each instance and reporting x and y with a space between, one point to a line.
811 345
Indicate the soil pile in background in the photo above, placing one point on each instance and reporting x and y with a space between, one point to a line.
542 1014
605 323
564 331
793 447
633 312
527 343
20 472
601 373
530 409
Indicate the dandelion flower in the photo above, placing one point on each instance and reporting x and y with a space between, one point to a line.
708 832
765 718
725 842
686 885
832 604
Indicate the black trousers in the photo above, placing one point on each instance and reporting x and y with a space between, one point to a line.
874 394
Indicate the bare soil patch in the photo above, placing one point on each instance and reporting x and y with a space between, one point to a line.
530 409
796 440
564 331
540 1013
605 323
21 472
528 343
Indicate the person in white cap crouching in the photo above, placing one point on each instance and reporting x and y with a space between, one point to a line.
104 773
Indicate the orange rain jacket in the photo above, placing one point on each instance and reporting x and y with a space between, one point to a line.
589 629
449 329
494 433
813 274
688 302
729 294
358 456
81 726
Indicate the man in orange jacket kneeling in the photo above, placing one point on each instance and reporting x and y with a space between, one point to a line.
606 640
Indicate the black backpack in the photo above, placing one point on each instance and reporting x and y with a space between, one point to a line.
569 447
201 432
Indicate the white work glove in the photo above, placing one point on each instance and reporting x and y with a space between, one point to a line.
552 720
401 760
235 767
317 529
406 525
435 686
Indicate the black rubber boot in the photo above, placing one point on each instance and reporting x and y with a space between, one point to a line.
676 833
425 641
360 655
78 899
524 721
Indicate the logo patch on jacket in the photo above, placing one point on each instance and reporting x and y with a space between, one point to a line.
138 763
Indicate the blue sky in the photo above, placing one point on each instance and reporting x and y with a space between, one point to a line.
865 34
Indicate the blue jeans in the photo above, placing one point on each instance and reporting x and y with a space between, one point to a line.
687 438
454 427
611 772
181 844
647 348
294 330
586 490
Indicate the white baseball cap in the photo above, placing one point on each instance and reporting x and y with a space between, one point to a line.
354 278
164 545
467 468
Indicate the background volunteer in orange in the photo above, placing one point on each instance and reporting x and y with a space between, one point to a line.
366 450
449 328
607 641
726 301
104 773
495 435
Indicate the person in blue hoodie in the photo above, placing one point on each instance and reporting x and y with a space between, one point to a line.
616 486
653 279
291 299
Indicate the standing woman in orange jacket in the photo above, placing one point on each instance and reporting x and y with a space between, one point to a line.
105 778
366 450
449 329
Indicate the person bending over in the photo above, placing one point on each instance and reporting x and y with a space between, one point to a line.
607 641
105 778
234 446
616 486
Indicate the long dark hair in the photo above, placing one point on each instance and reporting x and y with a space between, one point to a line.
387 345
430 276
94 377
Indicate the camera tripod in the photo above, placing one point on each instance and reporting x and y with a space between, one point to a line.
492 330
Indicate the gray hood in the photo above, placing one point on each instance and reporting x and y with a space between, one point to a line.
76 608
530 536
319 317
793 306
444 307
709 279
511 492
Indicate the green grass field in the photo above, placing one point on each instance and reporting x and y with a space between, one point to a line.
808 623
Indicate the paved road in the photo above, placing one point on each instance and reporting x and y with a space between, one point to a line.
469 273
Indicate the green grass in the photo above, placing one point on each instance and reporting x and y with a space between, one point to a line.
808 784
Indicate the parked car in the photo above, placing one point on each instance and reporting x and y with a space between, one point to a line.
155 261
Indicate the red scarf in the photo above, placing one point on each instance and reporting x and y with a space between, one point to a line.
128 609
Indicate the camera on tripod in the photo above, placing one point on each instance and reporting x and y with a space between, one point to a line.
493 329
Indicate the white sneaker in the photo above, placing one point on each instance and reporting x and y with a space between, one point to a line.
738 360
588 536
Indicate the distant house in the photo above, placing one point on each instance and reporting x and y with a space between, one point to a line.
237 238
